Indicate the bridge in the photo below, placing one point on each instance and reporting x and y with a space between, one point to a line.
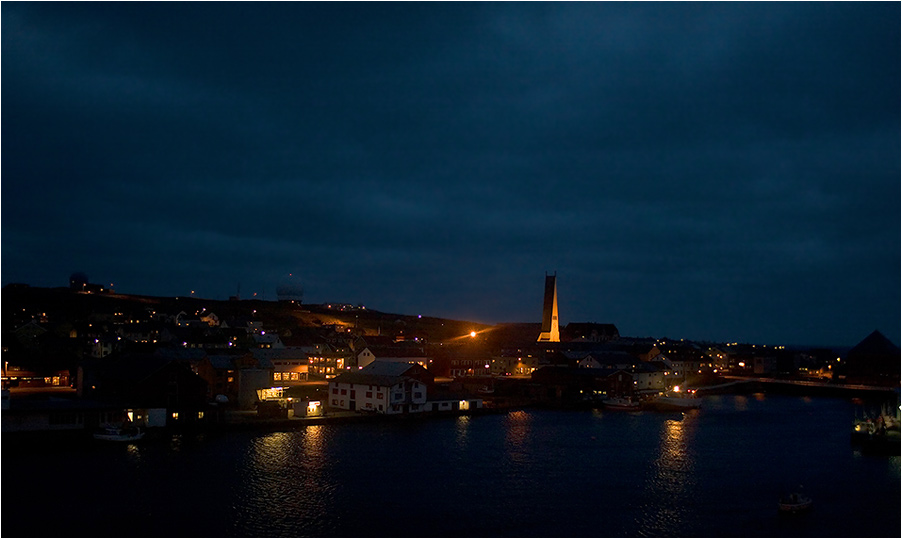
734 381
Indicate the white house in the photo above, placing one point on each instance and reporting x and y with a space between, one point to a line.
647 378
381 387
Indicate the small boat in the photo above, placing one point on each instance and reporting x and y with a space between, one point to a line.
119 434
795 503
620 403
675 400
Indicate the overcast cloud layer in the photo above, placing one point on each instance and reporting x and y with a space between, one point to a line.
708 171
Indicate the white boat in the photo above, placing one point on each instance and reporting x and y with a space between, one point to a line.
795 503
119 434
620 403
676 400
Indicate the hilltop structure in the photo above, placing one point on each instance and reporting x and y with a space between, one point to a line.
875 360
550 327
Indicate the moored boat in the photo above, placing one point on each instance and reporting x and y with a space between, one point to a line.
675 400
119 434
878 433
794 502
620 403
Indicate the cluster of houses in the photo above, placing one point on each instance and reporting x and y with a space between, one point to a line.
159 368
182 366
390 387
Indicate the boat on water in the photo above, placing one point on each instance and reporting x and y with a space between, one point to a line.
119 434
675 400
620 403
795 502
880 432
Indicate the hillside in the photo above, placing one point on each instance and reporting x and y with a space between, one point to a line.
56 306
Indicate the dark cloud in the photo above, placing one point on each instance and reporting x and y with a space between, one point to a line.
723 171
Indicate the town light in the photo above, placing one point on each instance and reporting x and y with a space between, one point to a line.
472 334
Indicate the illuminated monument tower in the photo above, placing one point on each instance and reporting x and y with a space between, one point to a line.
550 331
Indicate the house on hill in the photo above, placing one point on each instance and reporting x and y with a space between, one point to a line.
394 354
590 332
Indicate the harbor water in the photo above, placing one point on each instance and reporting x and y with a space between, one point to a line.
714 472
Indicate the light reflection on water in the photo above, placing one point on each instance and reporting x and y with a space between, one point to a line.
670 480
462 431
530 473
517 466
516 433
286 467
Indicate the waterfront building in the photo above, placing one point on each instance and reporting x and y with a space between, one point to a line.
560 385
239 378
381 387
290 367
219 373
443 399
57 415
144 381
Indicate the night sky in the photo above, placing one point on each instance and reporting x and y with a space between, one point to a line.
708 171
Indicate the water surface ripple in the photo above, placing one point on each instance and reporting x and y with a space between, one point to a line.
714 472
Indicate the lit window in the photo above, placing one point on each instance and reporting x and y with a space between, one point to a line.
277 376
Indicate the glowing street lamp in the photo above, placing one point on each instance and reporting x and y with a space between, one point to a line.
472 334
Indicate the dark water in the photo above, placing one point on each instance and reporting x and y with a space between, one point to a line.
713 472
